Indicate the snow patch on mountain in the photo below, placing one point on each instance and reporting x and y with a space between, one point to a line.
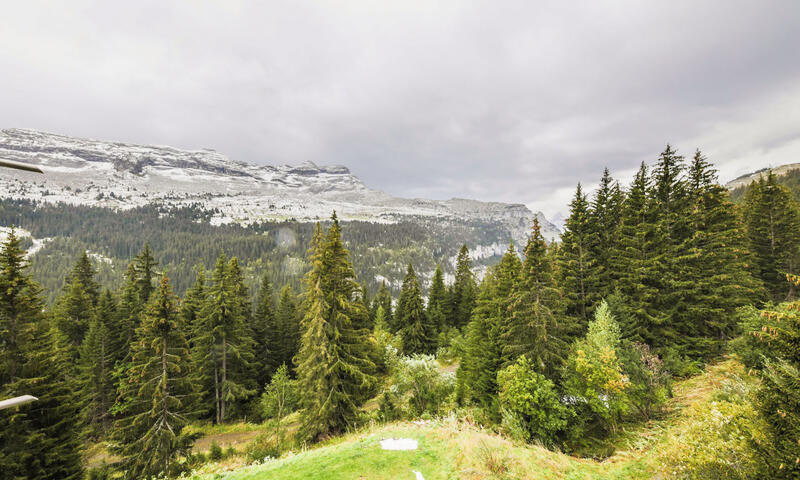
119 175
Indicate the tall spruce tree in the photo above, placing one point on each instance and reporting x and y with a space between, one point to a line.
537 327
605 218
40 440
334 367
156 399
384 299
288 322
72 314
266 333
464 291
714 278
639 264
223 352
437 299
772 221
84 272
96 366
417 330
578 266
477 373
192 306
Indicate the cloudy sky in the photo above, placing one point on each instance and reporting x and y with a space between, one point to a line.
512 101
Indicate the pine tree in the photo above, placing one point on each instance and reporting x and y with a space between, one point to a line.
223 344
638 263
464 291
84 272
266 333
384 299
577 263
713 276
289 325
477 374
192 306
772 221
156 399
144 266
40 440
437 299
605 217
417 331
96 366
537 326
73 313
334 369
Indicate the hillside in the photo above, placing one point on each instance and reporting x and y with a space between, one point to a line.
788 175
453 449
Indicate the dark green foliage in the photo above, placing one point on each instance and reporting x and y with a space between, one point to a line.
778 398
192 306
577 263
437 300
477 373
84 272
156 398
537 327
649 381
72 313
417 330
383 299
223 352
463 293
266 334
605 219
333 366
288 320
639 265
96 365
772 222
39 440
713 277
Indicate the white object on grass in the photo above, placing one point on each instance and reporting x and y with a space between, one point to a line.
398 444
419 475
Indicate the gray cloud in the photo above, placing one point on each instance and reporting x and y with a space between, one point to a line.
512 101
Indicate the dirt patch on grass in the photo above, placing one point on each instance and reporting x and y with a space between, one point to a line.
224 440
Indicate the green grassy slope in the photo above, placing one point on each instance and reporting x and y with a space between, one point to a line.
452 449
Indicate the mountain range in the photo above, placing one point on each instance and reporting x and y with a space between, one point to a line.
117 175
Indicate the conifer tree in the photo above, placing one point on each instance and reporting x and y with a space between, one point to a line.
772 221
192 306
135 294
40 440
384 299
266 333
605 217
84 272
437 299
96 365
638 263
464 291
477 374
577 263
714 278
537 326
416 328
144 266
289 325
73 313
156 399
334 369
223 345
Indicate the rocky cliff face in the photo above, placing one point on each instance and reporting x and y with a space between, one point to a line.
121 175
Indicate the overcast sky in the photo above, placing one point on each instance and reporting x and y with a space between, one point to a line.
497 100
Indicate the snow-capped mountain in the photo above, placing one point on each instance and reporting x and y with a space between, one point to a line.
120 175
